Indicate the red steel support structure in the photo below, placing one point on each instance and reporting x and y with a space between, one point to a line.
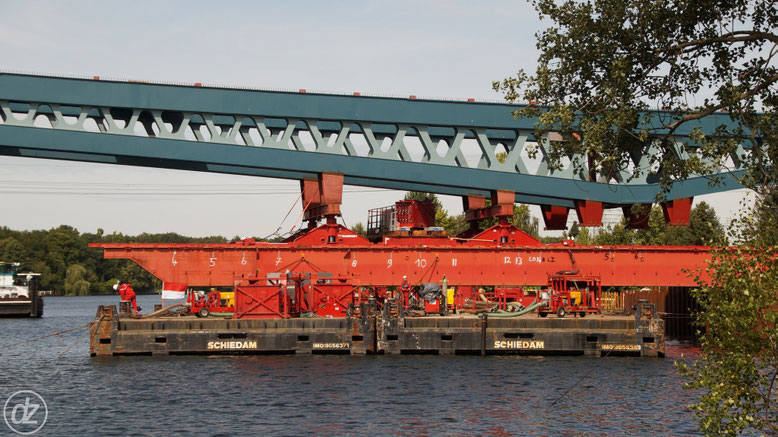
500 256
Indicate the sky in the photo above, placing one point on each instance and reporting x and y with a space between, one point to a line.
424 48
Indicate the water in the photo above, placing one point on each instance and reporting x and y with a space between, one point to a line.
329 395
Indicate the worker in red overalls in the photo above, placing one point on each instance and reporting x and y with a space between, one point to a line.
127 294
405 291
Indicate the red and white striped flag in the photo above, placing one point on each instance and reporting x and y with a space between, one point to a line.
173 290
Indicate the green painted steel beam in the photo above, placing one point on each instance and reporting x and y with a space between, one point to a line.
447 147
284 104
165 153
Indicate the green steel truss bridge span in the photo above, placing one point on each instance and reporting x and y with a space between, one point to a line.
440 146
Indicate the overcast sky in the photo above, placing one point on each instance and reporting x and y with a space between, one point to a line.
425 48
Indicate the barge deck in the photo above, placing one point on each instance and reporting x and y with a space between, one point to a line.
115 334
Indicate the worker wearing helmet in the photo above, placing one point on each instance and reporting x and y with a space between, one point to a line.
127 294
405 291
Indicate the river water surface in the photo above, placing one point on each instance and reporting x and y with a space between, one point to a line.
329 395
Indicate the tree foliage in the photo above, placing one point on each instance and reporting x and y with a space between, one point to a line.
738 324
760 228
78 280
359 229
736 372
68 266
604 62
704 229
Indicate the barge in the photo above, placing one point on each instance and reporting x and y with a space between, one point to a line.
19 292
119 333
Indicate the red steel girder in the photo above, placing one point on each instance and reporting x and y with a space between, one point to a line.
384 265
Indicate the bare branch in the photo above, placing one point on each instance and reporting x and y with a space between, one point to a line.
698 115
731 37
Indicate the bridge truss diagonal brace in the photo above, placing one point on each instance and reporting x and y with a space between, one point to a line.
322 197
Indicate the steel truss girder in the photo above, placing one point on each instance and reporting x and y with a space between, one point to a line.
392 143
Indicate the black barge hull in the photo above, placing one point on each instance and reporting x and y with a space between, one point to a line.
113 334
21 307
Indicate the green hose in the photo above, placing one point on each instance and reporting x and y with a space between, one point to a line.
532 307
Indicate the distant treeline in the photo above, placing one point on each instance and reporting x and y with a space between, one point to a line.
68 266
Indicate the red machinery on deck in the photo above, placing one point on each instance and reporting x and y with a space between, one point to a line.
203 303
294 295
571 292
502 257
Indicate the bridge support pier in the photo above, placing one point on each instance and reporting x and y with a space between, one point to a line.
554 217
589 212
321 198
677 211
476 210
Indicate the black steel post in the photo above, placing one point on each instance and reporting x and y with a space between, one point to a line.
483 333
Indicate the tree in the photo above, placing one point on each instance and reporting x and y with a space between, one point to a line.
736 372
77 280
523 220
359 229
617 77
603 63
142 281
574 230
453 224
584 236
704 228
12 250
761 227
